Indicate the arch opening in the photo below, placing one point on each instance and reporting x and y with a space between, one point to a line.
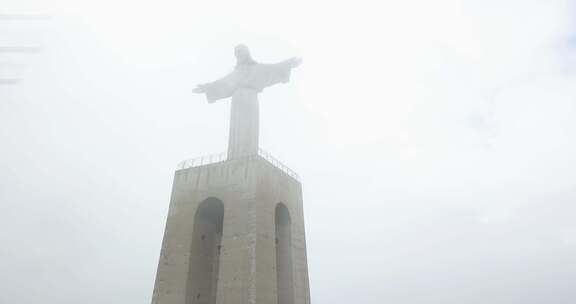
205 252
284 271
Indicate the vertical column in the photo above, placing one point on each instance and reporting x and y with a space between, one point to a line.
244 124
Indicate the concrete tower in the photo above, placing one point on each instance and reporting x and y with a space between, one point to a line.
235 227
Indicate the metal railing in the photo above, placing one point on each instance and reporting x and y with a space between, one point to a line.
202 160
276 163
220 157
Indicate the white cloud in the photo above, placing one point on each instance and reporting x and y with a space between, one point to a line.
377 120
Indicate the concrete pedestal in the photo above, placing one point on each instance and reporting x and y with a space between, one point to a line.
234 235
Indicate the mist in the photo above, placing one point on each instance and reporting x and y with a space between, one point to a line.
434 140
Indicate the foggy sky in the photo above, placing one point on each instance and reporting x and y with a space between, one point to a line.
435 141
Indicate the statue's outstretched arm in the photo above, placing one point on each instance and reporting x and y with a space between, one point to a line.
295 61
200 89
221 88
268 74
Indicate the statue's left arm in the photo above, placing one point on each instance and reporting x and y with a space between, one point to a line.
266 75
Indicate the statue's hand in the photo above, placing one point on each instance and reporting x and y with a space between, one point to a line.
199 89
295 62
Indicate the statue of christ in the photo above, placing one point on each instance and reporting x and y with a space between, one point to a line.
243 84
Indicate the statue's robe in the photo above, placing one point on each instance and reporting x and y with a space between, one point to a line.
243 85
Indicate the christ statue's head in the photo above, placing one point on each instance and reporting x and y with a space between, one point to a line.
243 55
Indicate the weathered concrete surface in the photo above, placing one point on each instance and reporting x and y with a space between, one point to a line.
250 190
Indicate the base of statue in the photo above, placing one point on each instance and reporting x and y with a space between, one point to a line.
234 234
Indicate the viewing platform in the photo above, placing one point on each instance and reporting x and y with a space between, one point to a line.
221 157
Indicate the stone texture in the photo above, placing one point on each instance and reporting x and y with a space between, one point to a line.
200 264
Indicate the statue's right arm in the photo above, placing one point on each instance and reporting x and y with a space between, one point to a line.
221 88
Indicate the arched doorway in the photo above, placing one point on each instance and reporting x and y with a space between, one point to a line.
284 276
205 252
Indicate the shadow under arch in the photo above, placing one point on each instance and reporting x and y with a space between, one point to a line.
284 272
205 252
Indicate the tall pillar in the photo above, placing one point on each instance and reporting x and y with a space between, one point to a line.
234 235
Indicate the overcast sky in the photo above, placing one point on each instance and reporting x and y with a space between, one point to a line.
435 141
